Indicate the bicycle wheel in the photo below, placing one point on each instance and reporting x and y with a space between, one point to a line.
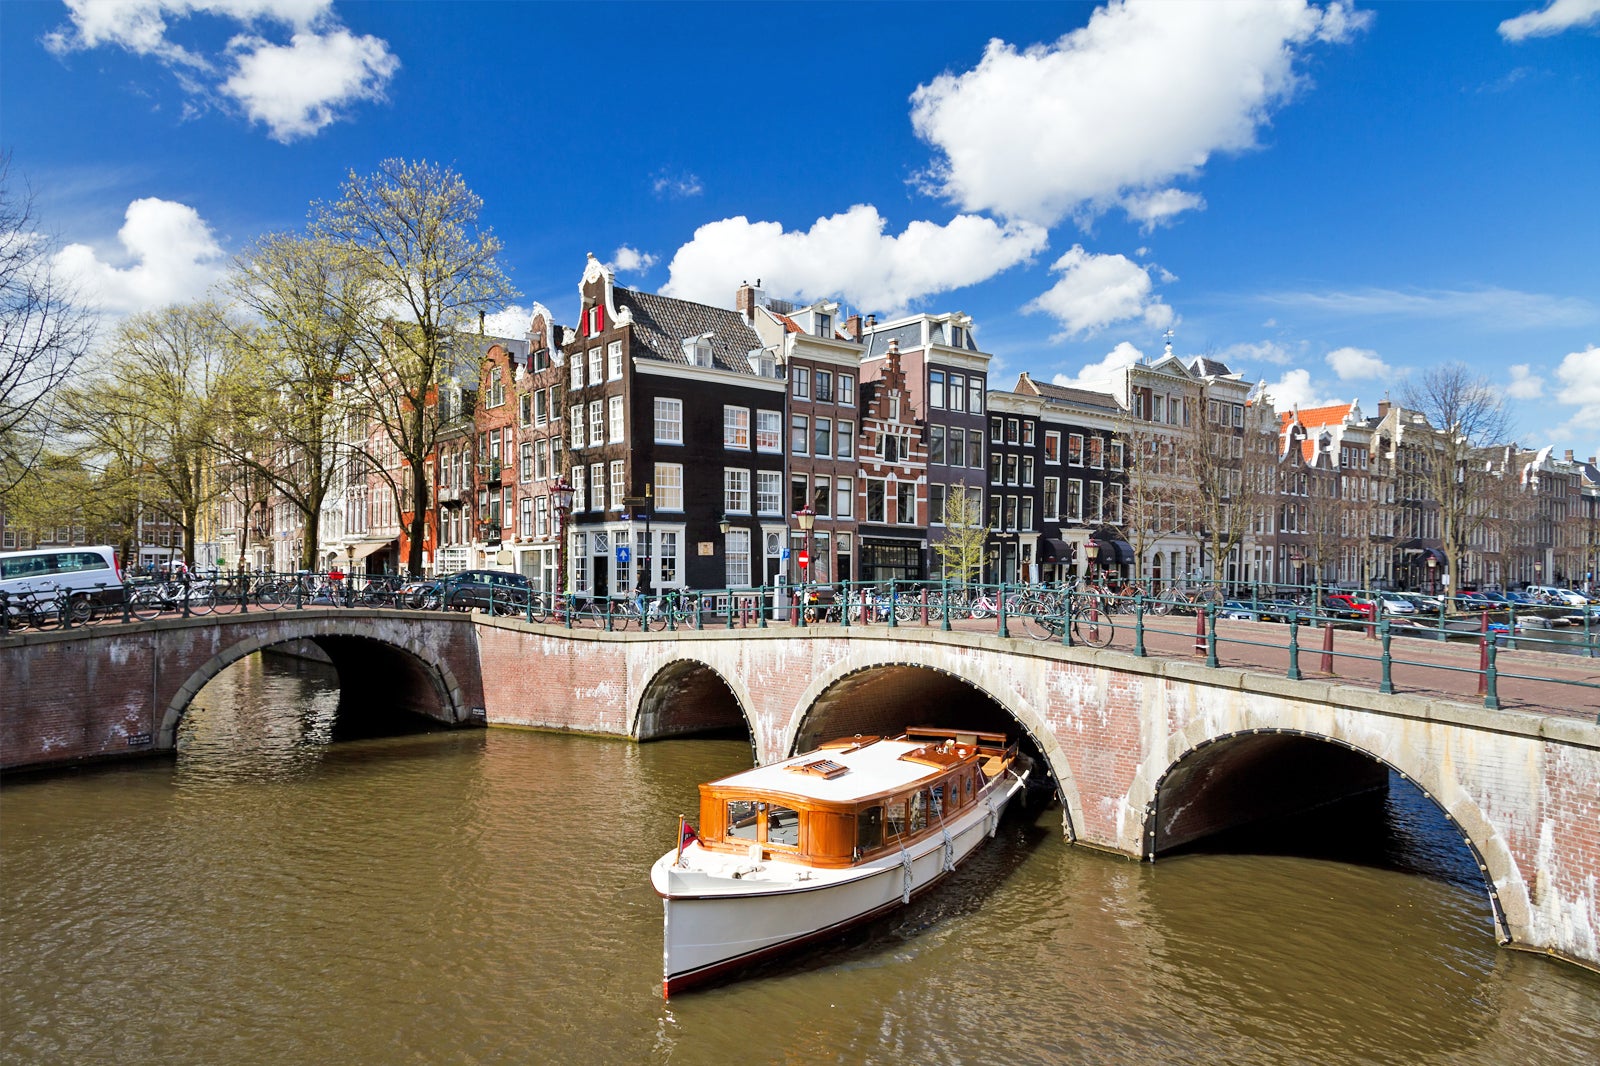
79 611
201 601
145 605
269 597
656 619
1092 623
1042 620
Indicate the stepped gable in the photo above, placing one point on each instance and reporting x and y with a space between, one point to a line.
661 324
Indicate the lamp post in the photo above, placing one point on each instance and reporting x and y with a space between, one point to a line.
1433 581
806 518
1092 550
562 493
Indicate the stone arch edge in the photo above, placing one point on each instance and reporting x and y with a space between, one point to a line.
1013 702
439 672
656 668
1507 889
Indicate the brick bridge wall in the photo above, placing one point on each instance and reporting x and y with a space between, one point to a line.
104 691
1523 788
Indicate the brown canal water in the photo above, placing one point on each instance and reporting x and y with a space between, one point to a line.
482 897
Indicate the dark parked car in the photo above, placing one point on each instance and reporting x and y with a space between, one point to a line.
499 591
1343 605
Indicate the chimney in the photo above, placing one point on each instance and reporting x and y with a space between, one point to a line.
745 300
852 327
872 320
1383 408
1569 455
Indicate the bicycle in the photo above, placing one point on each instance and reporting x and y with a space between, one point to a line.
39 609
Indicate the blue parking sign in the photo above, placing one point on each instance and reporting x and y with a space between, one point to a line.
622 553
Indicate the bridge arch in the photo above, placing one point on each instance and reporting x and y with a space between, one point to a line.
390 667
1228 779
919 671
686 696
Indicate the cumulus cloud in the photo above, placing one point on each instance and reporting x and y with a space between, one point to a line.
1296 391
676 186
1098 375
170 255
294 88
1119 110
626 260
298 89
1525 384
511 323
1357 364
848 255
1095 291
1557 17
1579 374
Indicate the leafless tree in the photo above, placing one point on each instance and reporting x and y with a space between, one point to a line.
44 329
1467 415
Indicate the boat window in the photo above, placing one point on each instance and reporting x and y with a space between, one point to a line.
895 813
937 806
869 829
919 809
743 819
783 826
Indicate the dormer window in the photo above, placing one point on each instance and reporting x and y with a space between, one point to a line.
697 350
958 337
824 325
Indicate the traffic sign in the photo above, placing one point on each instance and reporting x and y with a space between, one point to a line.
805 560
622 553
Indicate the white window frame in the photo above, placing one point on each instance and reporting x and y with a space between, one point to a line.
668 487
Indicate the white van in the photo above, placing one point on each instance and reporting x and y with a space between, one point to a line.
1559 596
92 573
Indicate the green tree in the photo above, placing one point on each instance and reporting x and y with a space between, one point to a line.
430 270
966 534
149 416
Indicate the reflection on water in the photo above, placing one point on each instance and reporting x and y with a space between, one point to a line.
482 897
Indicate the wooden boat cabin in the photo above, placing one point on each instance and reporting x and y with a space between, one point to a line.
852 799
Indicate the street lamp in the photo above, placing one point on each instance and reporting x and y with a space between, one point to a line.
806 518
1092 550
1433 582
562 494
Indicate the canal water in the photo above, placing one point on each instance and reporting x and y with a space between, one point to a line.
482 897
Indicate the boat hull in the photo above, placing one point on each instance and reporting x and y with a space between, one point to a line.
719 921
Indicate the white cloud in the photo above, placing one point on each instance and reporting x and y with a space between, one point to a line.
626 260
1525 385
848 255
1098 375
1491 307
171 256
1296 391
1557 17
294 88
1357 364
1095 291
299 89
1579 374
670 186
511 323
1239 355
1118 110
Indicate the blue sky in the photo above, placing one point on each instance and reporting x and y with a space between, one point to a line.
1327 196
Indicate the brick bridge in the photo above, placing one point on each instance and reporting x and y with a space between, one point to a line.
1147 754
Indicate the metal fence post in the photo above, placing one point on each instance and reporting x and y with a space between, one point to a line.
944 605
1387 684
894 619
1066 619
762 607
1294 646
186 594
1000 611
1138 624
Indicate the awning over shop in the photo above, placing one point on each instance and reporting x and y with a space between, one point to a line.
1052 550
367 547
1113 552
1421 553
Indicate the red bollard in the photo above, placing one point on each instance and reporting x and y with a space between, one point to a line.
1327 647
924 607
1200 630
1483 656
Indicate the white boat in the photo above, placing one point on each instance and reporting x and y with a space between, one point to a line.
800 850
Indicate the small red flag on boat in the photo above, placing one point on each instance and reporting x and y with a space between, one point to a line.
686 836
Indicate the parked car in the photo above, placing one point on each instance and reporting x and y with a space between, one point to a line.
1388 602
1421 602
1281 609
421 593
1558 597
499 591
1240 610
1343 605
